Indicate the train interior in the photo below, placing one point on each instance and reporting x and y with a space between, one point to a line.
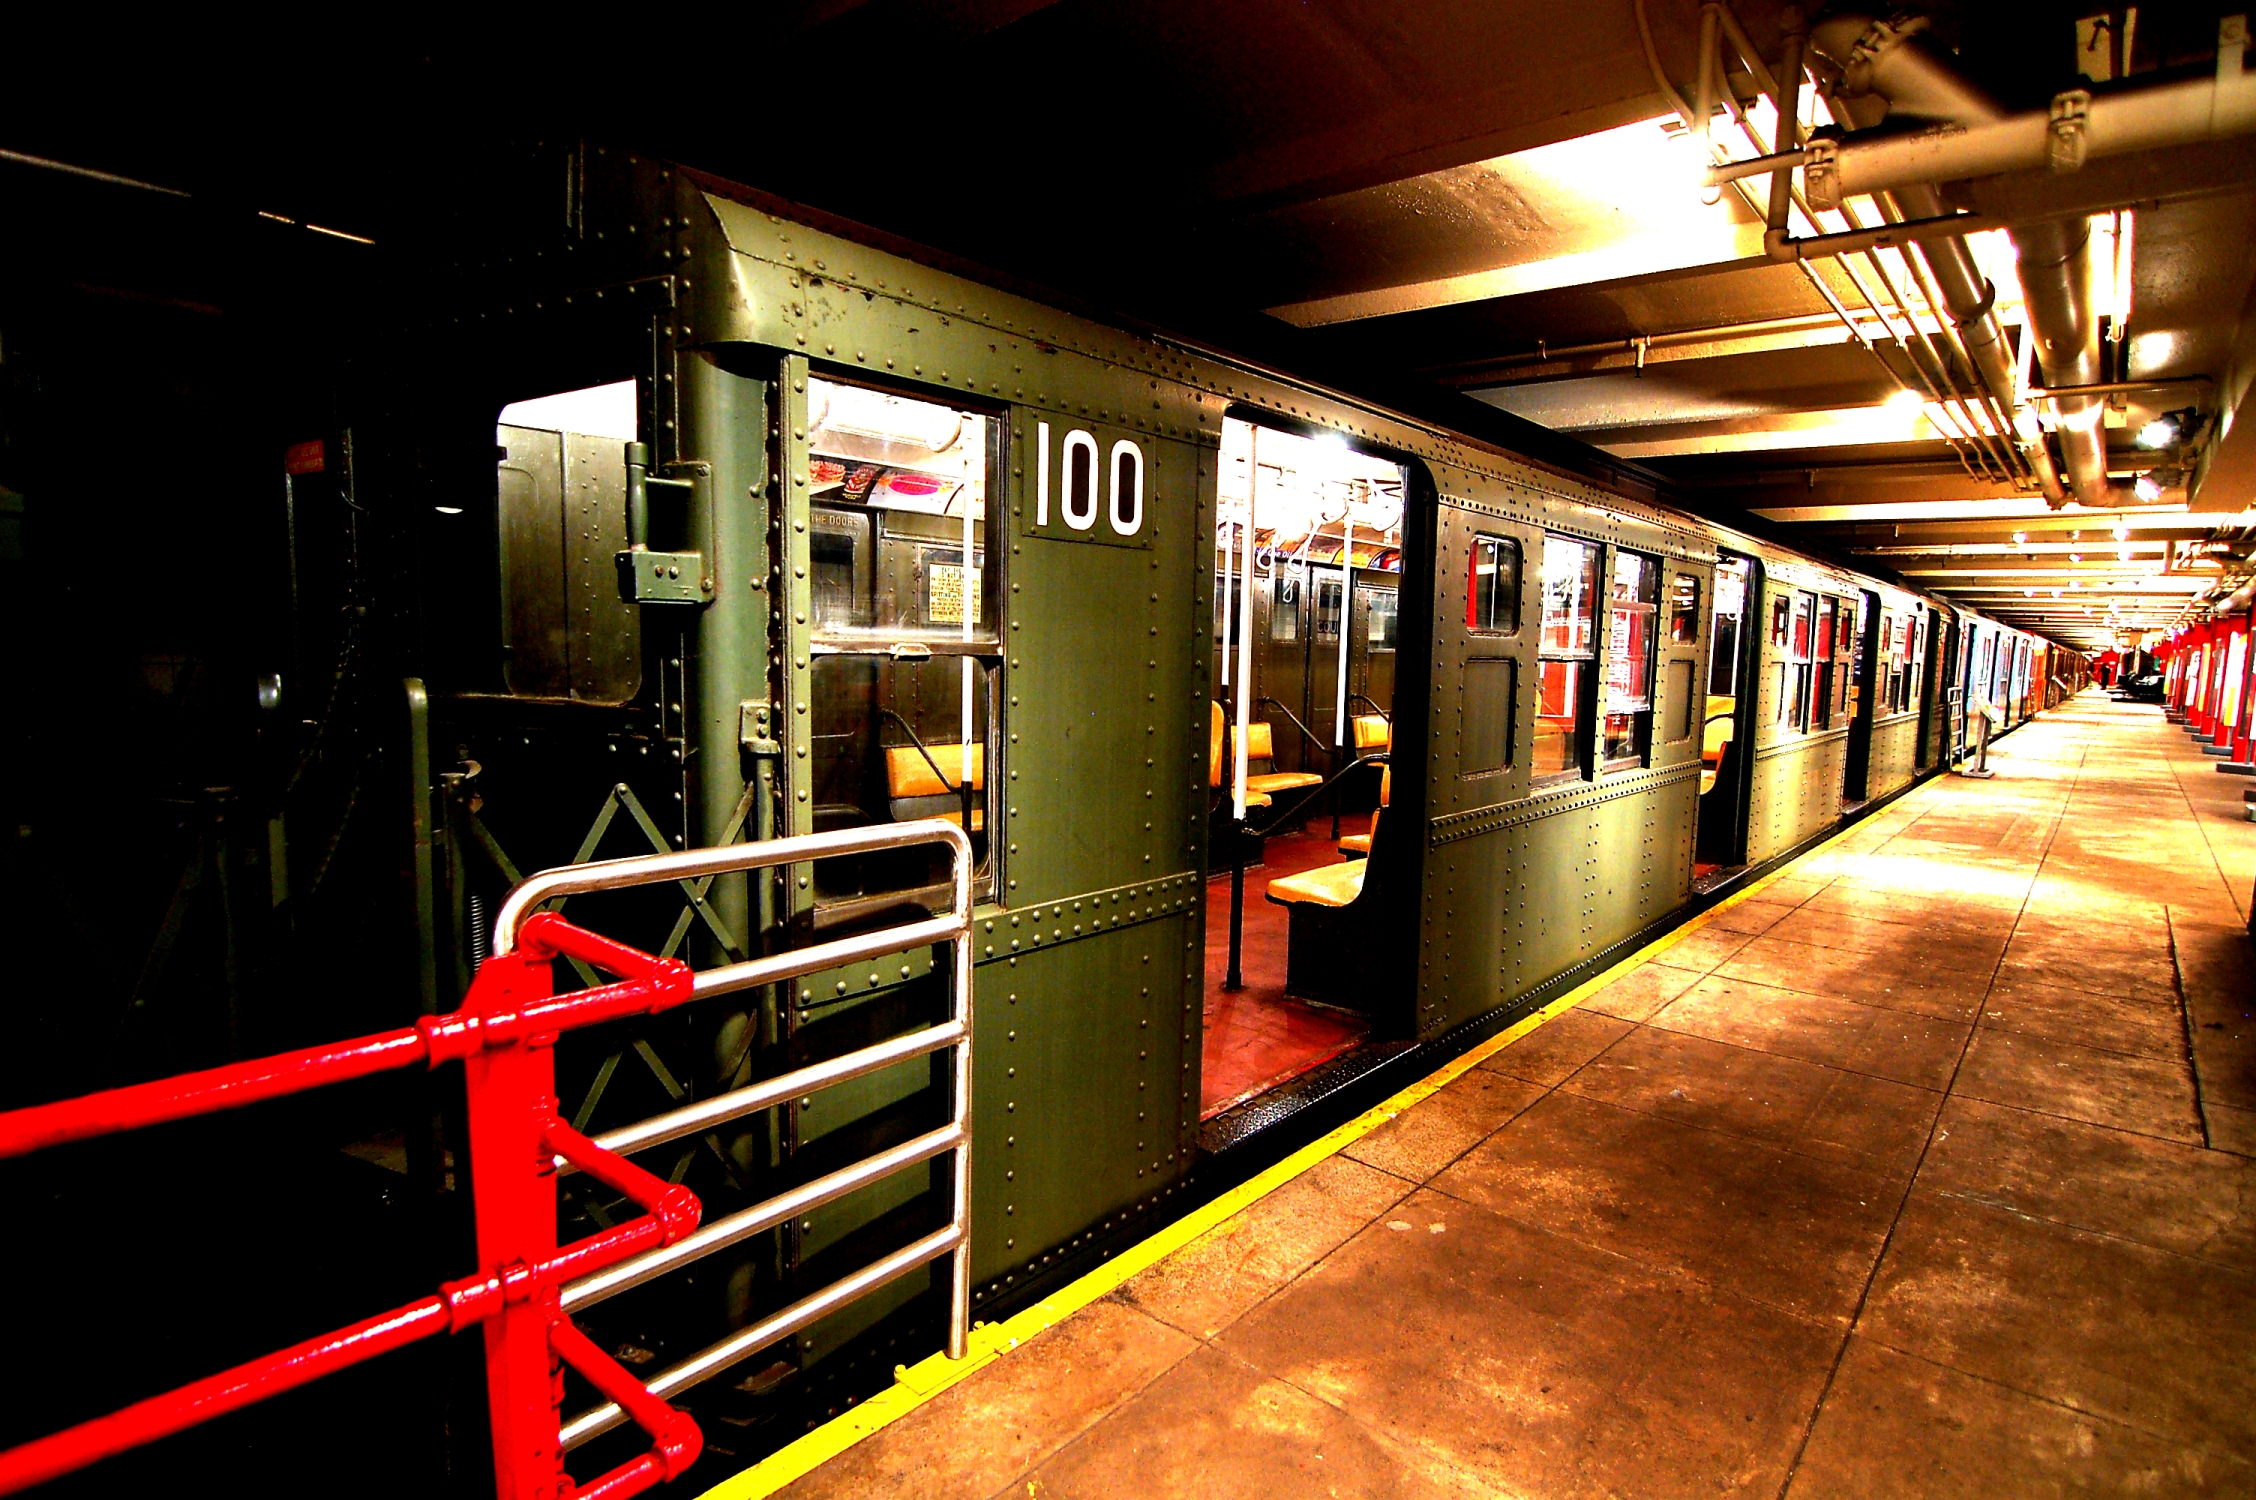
1308 565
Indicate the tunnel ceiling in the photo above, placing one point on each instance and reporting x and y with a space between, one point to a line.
1488 208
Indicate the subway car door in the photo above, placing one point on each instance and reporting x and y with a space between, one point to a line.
1681 658
1283 650
1727 735
1370 678
1865 646
1327 636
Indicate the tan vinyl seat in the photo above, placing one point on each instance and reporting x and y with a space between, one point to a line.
1217 739
918 792
1373 734
1353 844
1717 732
1261 746
1715 738
1327 885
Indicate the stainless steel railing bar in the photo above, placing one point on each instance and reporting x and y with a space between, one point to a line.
705 1114
688 864
744 1223
776 968
749 1341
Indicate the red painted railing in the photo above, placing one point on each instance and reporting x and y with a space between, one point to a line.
504 1036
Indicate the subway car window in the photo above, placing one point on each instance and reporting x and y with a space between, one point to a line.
1328 595
1684 610
1821 707
906 649
900 492
1567 645
1385 607
1492 591
1793 699
1844 658
1633 623
1284 603
1730 609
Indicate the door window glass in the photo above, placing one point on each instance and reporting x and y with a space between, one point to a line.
1821 706
1633 619
1723 647
1492 591
1794 685
1383 605
906 650
1566 648
1684 610
1284 605
900 497
1328 594
888 746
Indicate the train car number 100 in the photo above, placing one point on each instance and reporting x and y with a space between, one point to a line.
1079 464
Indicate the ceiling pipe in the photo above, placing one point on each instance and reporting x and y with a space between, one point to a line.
1889 67
1977 339
1977 139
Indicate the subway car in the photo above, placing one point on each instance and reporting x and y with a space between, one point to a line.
1297 743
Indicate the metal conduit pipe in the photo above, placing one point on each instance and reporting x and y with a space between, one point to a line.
2057 292
1883 70
1994 376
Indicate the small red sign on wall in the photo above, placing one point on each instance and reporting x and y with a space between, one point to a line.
304 458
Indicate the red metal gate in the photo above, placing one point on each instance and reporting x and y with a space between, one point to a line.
526 1285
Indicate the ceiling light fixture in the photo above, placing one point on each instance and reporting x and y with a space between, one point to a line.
2159 433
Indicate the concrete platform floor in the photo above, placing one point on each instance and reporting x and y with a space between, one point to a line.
1928 1173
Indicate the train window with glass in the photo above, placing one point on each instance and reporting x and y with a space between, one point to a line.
1821 702
898 543
1899 663
1845 665
1284 604
1379 624
1566 652
1684 610
906 650
1723 647
1330 589
1632 626
1794 672
1492 586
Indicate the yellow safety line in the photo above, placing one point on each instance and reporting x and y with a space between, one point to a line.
913 1385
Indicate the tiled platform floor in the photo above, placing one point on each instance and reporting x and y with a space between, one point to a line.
1902 1180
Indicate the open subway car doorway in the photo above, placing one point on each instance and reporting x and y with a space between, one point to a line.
1307 571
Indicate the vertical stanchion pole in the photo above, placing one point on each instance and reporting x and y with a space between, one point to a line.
959 1263
513 1185
1235 980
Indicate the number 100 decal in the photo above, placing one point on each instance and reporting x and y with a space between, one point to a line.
1079 465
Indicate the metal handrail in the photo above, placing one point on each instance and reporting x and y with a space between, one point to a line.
1305 732
1286 814
954 1138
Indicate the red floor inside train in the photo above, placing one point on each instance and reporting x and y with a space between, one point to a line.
1257 1037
